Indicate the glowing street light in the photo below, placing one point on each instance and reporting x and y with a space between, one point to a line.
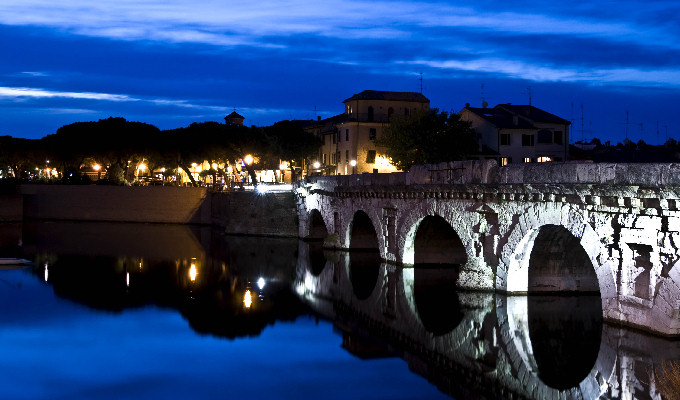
247 299
316 165
193 272
248 159
353 163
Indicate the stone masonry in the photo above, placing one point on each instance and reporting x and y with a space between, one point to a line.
625 218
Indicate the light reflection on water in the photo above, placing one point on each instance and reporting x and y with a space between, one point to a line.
112 311
140 311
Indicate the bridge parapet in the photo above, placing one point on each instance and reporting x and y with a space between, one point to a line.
488 172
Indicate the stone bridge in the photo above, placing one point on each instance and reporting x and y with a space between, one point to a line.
611 229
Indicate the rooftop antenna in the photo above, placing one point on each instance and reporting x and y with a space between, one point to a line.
484 103
315 110
581 122
640 124
421 82
572 121
529 92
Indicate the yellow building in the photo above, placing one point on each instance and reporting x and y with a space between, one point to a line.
349 138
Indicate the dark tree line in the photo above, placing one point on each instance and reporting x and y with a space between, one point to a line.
120 145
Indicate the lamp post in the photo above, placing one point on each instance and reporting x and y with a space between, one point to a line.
353 163
98 168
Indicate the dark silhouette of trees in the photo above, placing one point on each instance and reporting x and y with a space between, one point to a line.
114 141
120 145
291 143
427 138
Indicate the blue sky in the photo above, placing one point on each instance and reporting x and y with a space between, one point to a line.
173 62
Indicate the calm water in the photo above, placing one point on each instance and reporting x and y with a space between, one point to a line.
156 311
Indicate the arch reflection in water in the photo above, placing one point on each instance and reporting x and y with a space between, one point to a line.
317 260
565 332
364 268
436 298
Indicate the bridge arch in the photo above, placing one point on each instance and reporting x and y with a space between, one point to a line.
536 227
362 232
430 236
316 227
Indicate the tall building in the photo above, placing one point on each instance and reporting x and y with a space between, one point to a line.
518 133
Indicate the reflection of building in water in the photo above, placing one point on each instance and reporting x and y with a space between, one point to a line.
494 346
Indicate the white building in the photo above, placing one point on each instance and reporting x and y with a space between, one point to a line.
518 133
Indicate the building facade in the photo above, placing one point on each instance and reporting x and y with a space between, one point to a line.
349 138
514 134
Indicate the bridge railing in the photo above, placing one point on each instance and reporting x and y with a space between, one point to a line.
488 172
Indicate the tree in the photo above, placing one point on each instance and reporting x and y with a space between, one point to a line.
427 138
288 141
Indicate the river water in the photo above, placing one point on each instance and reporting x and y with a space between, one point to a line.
139 311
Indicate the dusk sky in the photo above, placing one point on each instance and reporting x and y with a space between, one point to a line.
173 62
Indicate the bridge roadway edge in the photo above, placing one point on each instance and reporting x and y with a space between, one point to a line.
625 216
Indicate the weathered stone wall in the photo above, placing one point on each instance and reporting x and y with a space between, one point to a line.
625 218
252 213
116 203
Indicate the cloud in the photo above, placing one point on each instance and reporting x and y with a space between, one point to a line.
522 70
246 23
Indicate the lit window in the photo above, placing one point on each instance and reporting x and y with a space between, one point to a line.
527 159
505 161
370 157
543 159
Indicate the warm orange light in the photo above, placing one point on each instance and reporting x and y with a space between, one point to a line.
96 167
193 272
247 299
248 159
142 167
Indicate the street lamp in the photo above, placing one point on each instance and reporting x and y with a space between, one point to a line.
98 168
353 163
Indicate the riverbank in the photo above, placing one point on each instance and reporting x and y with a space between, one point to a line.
248 213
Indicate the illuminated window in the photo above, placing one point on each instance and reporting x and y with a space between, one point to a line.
505 139
543 159
527 159
370 157
505 161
